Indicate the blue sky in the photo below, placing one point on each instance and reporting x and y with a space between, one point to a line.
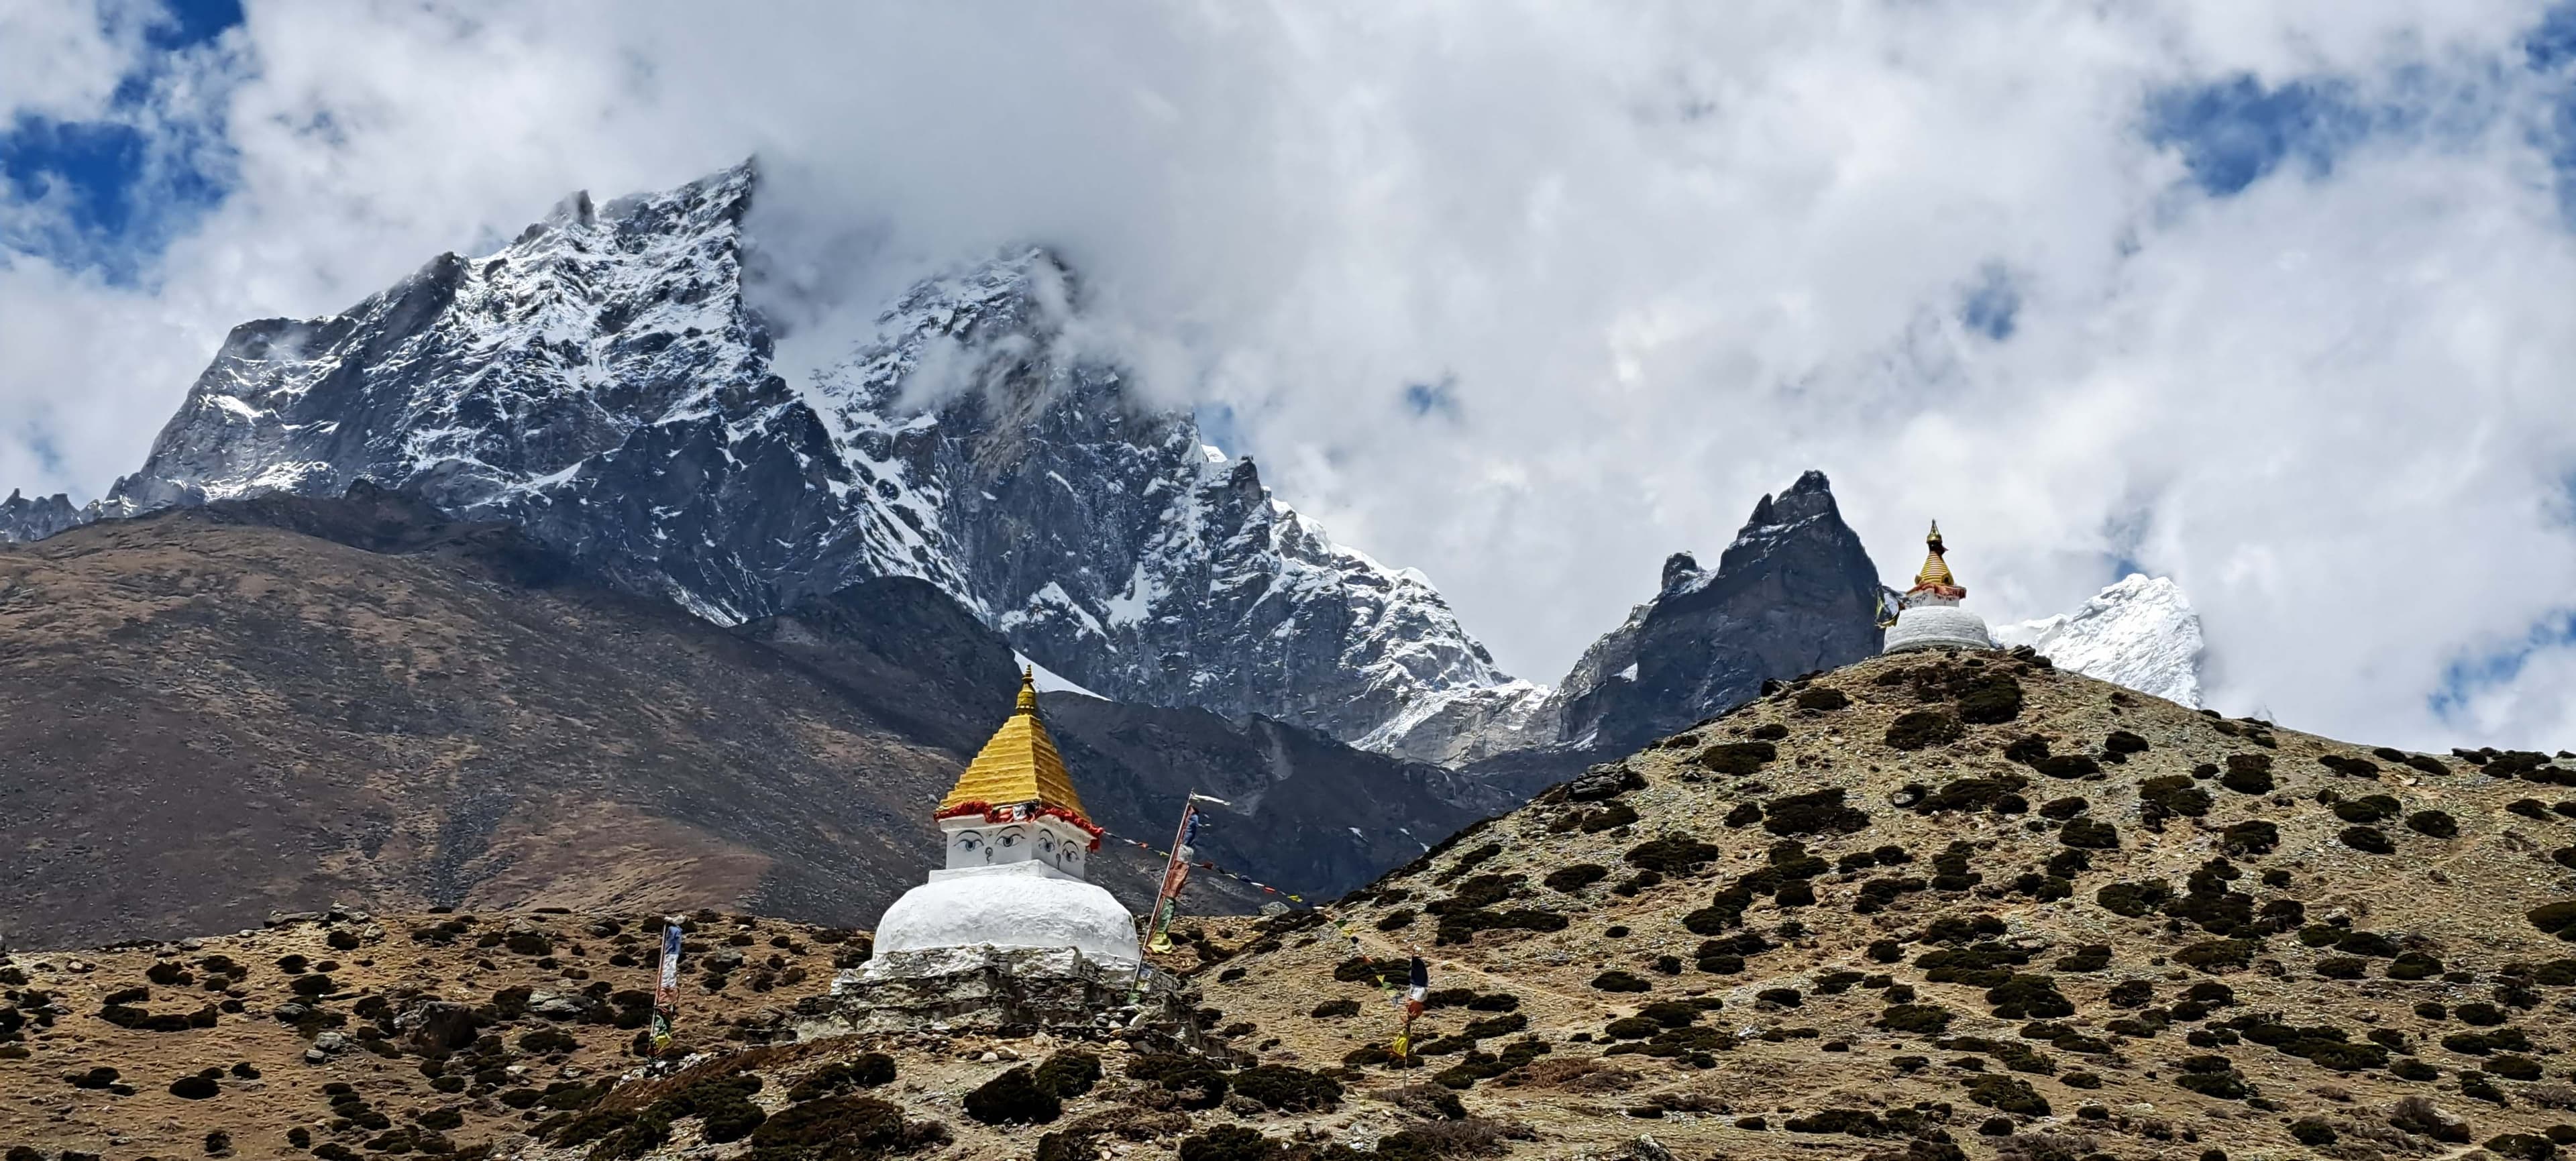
127 179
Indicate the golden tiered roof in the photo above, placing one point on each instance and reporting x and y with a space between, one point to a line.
1019 764
1935 578
1935 570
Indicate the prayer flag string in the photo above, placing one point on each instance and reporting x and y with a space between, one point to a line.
1202 865
1378 970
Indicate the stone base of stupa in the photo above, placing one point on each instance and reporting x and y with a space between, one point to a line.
1007 991
1937 627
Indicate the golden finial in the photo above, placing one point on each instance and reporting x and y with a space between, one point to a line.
1029 690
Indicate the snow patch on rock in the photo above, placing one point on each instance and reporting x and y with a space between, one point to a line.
1049 681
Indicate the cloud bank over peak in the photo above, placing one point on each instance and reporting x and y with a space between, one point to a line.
2266 298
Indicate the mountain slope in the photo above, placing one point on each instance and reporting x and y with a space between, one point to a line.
602 383
1934 902
284 703
1861 917
2140 632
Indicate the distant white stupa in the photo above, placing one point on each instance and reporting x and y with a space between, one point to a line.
1017 841
1929 616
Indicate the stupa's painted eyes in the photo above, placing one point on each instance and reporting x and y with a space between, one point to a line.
1009 839
968 841
1046 844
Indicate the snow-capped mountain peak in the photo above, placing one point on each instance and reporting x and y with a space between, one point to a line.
2140 632
602 382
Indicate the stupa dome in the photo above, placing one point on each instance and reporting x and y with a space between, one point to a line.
1017 847
1009 905
1929 616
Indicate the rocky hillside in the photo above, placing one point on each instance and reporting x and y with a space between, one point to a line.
282 703
603 383
1918 908
1931 903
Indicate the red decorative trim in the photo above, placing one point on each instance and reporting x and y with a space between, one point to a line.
1075 819
1002 814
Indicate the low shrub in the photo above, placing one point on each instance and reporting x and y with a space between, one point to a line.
2248 774
1821 812
1013 1098
196 1086
1921 1019
2090 834
2009 1095
2175 794
1230 1143
848 1126
2435 823
1992 699
1739 759
2252 837
1920 729
1575 877
2068 766
1066 1074
1284 1088
1666 855
2215 955
1620 980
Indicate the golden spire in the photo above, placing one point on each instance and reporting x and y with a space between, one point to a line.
1935 570
1935 577
1019 764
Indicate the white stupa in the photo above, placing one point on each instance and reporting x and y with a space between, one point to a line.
1017 841
1929 616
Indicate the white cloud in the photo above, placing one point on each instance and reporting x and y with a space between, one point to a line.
1668 257
63 60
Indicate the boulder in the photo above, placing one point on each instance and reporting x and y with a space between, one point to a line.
560 1007
438 1024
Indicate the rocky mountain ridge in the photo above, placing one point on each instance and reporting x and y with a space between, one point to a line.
1794 592
602 383
282 702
